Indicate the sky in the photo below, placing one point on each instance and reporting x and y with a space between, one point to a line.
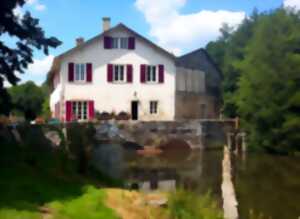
179 26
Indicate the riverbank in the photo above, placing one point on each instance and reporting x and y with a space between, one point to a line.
42 179
30 193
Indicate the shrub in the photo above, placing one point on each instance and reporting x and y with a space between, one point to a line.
123 116
4 120
104 116
187 205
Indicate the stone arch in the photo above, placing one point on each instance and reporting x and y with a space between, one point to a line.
175 144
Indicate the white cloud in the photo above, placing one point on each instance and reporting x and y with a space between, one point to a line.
31 2
18 11
177 32
40 7
292 4
34 4
40 66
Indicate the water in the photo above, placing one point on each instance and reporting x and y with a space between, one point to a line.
268 184
264 183
194 170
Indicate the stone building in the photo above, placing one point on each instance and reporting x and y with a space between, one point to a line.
198 86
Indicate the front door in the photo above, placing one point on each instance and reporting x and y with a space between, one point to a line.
134 110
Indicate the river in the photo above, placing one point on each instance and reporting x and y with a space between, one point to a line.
265 184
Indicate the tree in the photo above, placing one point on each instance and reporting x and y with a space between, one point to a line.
268 97
28 99
46 112
260 61
27 35
226 52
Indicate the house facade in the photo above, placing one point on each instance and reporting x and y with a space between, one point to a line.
116 71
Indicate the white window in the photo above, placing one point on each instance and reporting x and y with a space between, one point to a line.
80 72
124 43
153 107
119 73
151 73
115 42
80 110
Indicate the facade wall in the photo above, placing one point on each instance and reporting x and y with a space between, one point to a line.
192 98
116 97
195 106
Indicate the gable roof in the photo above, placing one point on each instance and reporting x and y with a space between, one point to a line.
201 60
57 60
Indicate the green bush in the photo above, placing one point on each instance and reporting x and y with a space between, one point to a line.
187 205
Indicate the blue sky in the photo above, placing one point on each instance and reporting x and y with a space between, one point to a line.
177 25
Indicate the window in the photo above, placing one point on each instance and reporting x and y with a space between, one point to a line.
80 110
119 73
151 73
124 43
153 107
115 43
80 72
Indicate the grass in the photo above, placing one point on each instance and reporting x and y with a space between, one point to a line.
34 177
187 205
37 182
24 190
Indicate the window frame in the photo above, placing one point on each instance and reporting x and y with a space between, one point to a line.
80 73
153 107
80 113
117 74
124 43
152 75
115 41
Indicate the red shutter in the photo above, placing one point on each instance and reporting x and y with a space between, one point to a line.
91 110
129 73
143 73
161 74
71 72
68 111
89 72
107 42
131 43
109 72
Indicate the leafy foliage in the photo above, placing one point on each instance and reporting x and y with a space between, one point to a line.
28 99
261 63
187 205
26 34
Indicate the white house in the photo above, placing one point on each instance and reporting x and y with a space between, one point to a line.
116 71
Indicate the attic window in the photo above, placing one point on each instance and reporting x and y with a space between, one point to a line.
119 42
115 43
124 43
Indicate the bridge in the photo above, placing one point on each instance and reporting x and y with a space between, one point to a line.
193 132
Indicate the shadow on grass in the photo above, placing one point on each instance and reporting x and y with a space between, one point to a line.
35 174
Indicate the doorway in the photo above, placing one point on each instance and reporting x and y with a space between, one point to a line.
134 110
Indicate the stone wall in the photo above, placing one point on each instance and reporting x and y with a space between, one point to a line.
190 105
192 100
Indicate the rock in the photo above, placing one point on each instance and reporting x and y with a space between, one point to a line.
54 137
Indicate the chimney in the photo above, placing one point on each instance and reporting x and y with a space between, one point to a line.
79 41
105 23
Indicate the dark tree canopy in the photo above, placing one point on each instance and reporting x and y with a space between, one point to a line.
28 99
261 64
27 35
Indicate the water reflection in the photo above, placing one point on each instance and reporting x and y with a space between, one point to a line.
264 183
269 185
196 170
